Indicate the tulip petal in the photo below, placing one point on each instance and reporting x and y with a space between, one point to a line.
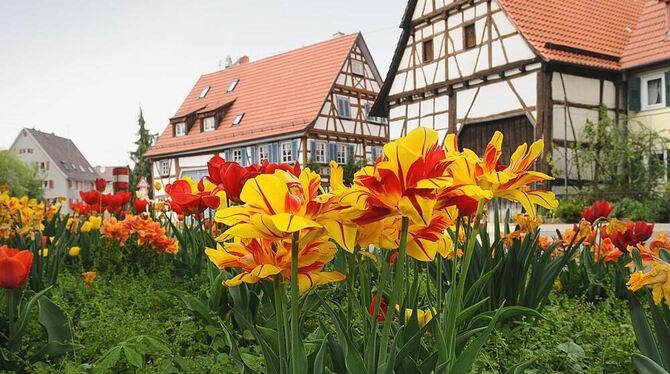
264 271
241 278
418 208
267 192
344 235
286 222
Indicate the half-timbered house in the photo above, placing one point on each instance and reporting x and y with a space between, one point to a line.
530 68
308 105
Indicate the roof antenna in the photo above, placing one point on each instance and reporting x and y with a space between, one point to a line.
229 61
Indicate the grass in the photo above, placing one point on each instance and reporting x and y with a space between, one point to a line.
574 337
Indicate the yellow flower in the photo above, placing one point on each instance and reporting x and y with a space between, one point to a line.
44 252
74 251
158 186
86 227
96 222
527 223
422 316
658 277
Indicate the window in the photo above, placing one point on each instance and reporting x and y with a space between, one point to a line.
469 36
263 152
180 129
90 169
69 184
341 154
209 124
343 107
286 152
357 67
653 92
82 169
238 119
51 184
196 175
428 51
233 85
237 155
320 152
165 167
204 92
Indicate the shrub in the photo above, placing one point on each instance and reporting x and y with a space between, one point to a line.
569 211
638 210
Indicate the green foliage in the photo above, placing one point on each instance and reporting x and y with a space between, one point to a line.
621 159
313 165
21 178
637 210
351 167
142 166
569 211
133 351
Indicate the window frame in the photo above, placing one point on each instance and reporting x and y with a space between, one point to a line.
238 119
428 42
321 147
644 91
283 155
341 147
236 155
356 63
204 92
177 126
233 85
343 99
467 27
212 122
263 149
163 166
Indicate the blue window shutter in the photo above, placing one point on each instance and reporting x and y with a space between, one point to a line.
351 153
226 155
254 154
273 152
312 149
373 153
294 149
667 88
634 94
333 151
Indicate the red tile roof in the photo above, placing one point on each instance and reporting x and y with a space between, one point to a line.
585 32
278 95
650 40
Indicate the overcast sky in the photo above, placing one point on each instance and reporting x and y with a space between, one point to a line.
83 68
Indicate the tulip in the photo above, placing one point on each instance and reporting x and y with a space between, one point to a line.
90 197
14 267
100 184
191 198
381 310
89 277
140 205
634 234
74 251
599 209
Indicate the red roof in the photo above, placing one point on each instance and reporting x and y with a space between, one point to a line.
650 40
586 32
278 95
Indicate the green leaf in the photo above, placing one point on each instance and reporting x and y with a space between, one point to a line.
318 360
108 360
235 351
133 357
662 334
195 305
519 368
57 326
465 360
645 338
645 365
352 356
574 351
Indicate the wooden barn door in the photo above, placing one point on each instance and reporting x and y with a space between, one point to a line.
516 131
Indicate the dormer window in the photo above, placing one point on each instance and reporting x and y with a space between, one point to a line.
238 119
233 84
204 92
357 68
209 124
180 129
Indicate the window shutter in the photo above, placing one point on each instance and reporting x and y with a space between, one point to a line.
667 88
274 152
333 151
351 153
373 154
634 95
312 149
226 155
254 154
294 150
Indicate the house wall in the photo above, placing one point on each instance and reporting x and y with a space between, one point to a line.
498 77
656 119
28 150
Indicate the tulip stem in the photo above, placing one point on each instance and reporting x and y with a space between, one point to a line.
281 327
296 339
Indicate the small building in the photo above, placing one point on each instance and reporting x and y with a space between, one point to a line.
64 169
531 69
311 104
106 173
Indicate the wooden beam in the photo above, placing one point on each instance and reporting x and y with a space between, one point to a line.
452 112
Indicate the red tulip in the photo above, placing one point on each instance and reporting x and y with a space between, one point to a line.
140 205
600 209
381 312
14 267
79 208
186 201
117 201
91 197
636 233
100 184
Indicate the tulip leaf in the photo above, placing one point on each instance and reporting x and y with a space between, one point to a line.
662 333
272 359
352 356
645 365
645 338
318 360
465 360
235 351
195 305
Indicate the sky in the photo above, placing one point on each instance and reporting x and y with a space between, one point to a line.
82 69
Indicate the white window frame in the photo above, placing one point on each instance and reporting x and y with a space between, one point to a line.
204 92
286 152
344 99
165 167
238 119
358 68
237 155
209 124
320 152
233 85
644 91
263 152
180 129
341 153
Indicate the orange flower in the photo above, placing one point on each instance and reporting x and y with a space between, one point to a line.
543 242
89 277
148 233
660 242
14 267
609 251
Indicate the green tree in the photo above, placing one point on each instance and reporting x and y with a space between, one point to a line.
142 166
21 178
621 160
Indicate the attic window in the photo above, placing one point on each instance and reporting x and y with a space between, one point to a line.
64 165
180 129
428 51
357 68
204 92
238 119
469 36
82 168
90 170
233 84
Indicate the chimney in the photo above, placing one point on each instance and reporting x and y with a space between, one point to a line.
338 34
242 60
